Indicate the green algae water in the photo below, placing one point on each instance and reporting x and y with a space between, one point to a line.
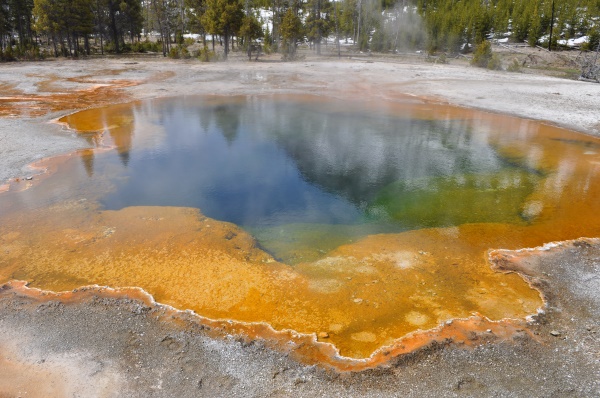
318 174
272 162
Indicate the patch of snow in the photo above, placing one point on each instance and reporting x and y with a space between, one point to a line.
574 42
194 36
266 18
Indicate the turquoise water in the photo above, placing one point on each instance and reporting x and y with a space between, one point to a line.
304 177
267 162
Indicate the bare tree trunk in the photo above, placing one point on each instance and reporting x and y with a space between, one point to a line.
551 28
100 27
69 44
358 22
337 31
113 25
75 45
54 45
318 43
160 27
226 39
276 16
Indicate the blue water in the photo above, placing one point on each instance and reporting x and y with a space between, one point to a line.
267 161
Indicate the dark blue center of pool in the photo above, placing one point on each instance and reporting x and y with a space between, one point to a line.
269 161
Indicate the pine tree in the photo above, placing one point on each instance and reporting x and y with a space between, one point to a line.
223 17
291 31
250 31
348 17
318 22
21 20
5 27
451 25
194 10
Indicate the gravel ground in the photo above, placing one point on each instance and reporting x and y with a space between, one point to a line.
107 346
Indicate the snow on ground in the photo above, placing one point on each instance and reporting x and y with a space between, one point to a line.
574 42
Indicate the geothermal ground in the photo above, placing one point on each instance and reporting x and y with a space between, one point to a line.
99 342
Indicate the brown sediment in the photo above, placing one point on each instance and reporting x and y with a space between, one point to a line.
40 104
378 292
52 96
305 348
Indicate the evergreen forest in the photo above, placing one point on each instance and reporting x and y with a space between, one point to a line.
31 29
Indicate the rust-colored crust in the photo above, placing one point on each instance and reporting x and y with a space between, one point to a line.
467 333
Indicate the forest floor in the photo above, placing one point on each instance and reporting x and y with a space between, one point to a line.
114 346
